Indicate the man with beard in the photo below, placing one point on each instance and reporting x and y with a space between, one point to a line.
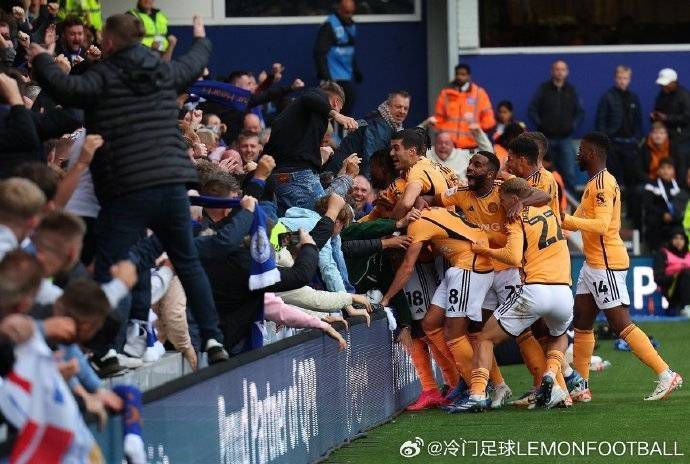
601 284
480 201
72 40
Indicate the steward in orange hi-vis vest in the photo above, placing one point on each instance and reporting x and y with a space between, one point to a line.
456 109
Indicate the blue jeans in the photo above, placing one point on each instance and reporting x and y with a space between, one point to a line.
165 210
299 188
564 155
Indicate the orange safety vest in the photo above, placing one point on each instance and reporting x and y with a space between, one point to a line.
456 110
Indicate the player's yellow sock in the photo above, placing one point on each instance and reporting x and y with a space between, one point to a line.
422 363
462 354
480 377
643 349
437 339
450 373
583 347
554 361
495 373
533 355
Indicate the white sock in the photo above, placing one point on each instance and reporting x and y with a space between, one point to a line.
133 448
478 397
666 375
568 371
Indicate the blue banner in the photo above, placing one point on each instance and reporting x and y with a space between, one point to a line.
292 405
645 299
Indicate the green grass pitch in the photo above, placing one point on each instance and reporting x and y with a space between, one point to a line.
617 413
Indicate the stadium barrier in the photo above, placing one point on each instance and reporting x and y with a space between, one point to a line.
297 399
291 401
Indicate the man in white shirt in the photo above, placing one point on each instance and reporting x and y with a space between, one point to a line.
457 159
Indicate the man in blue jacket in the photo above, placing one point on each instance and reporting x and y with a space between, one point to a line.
334 52
619 116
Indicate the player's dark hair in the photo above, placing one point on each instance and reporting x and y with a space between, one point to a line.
493 160
413 138
540 139
525 148
600 142
464 66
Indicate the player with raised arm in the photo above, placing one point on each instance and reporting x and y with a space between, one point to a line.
601 283
536 241
459 296
480 202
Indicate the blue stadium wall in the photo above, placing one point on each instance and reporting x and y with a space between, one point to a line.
515 77
390 55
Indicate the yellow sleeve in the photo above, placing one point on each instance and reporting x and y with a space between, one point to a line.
603 213
419 176
511 254
421 231
449 197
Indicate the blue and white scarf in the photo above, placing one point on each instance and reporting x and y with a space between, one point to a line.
263 270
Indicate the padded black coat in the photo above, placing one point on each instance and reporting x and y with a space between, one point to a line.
130 99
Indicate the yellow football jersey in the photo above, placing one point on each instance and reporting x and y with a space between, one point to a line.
536 242
484 211
599 219
452 236
433 177
544 181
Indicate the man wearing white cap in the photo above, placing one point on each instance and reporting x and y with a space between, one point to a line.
672 107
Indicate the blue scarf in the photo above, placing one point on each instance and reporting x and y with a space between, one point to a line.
224 94
263 271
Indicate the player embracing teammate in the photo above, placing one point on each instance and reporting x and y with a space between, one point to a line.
509 272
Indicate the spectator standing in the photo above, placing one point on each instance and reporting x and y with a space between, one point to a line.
619 116
73 42
672 107
461 104
295 144
556 111
375 134
504 117
132 82
656 147
334 52
672 271
664 205
155 25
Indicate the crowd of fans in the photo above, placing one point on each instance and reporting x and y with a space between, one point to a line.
103 131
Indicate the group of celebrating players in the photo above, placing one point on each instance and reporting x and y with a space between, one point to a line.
489 261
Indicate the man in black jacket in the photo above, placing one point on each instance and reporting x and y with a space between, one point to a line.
619 116
295 144
140 173
556 111
672 107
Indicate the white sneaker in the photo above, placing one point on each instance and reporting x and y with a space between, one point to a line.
500 396
664 388
135 346
129 363
154 348
558 396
